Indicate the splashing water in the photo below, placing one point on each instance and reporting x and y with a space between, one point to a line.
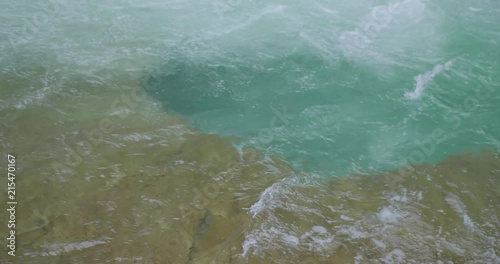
252 131
423 79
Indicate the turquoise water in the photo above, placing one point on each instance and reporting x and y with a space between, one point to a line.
245 131
361 88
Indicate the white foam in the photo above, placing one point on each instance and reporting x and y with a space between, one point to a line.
423 79
358 259
136 137
317 238
390 215
400 198
379 243
248 244
420 196
291 240
129 260
346 218
353 232
153 201
57 249
265 200
268 236
395 256
49 87
459 207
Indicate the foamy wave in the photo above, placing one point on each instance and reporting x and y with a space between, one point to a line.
272 233
57 249
424 78
49 86
459 207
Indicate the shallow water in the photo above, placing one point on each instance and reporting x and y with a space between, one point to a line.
252 132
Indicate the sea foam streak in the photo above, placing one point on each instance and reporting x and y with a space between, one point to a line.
423 79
